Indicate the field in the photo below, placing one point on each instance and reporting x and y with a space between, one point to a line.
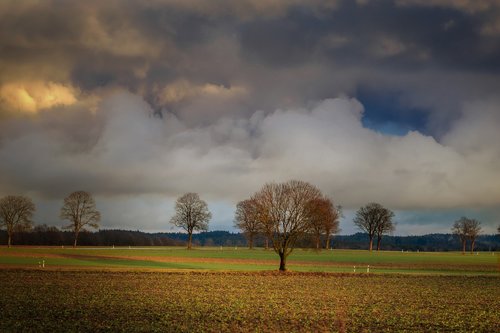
237 259
209 289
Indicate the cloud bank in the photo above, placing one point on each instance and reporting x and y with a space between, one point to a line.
133 152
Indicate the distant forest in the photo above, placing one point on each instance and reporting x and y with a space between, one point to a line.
52 236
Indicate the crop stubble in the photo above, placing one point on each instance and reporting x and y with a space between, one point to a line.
33 300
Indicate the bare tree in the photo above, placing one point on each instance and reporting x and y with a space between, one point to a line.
467 229
79 209
373 219
324 220
474 228
332 224
246 219
284 212
191 213
498 230
461 229
15 214
386 225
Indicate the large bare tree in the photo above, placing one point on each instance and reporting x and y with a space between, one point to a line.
374 219
246 219
324 219
191 214
16 212
284 212
79 209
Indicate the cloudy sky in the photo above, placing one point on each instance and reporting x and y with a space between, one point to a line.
138 102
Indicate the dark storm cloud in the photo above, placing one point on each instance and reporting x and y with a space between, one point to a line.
332 50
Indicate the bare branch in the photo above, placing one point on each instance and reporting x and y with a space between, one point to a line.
16 213
79 209
191 214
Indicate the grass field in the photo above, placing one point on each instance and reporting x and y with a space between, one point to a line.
171 258
214 290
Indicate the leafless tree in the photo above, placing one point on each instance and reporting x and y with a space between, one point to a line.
467 229
385 226
79 209
284 212
324 219
246 219
332 225
374 219
191 214
498 230
474 228
15 214
460 229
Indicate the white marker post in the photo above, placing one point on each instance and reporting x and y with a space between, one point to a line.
43 263
354 269
368 269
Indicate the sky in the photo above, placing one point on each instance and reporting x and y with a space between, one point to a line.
139 102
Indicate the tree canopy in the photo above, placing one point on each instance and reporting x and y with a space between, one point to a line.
466 229
79 208
16 212
374 219
284 211
191 214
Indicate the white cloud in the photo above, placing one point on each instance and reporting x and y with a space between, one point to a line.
327 144
137 154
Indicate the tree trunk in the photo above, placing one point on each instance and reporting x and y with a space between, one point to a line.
473 241
9 240
267 243
318 239
76 239
379 239
463 246
250 241
190 238
282 261
371 243
327 242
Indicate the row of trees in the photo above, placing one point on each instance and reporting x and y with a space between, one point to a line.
283 213
16 213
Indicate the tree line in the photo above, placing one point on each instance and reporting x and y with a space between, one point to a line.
45 235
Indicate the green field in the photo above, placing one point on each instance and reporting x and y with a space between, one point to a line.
238 290
238 259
